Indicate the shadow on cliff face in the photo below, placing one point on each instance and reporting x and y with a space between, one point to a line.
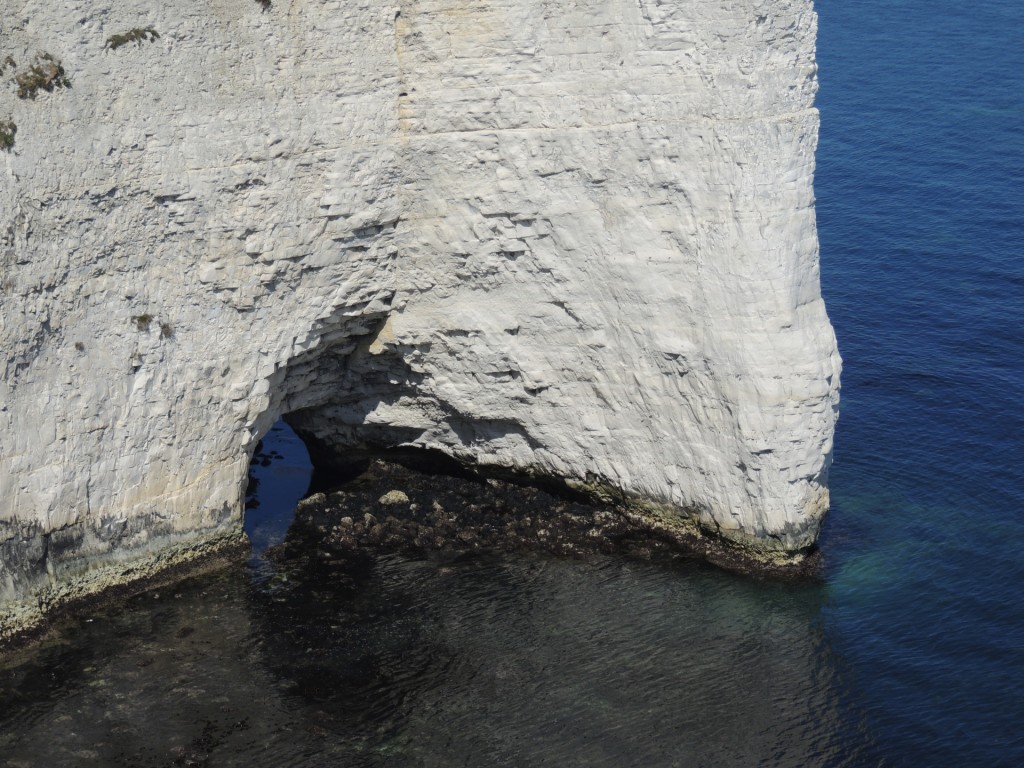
359 416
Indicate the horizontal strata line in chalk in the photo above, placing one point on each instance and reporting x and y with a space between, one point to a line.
399 138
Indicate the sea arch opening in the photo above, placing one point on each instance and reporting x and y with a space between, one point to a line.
280 472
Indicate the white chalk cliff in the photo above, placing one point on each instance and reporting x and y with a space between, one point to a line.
570 237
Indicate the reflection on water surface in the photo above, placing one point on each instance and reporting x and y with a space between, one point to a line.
492 661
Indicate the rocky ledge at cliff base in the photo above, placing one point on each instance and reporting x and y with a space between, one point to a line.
392 508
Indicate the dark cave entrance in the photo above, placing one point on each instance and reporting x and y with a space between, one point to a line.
290 464
280 473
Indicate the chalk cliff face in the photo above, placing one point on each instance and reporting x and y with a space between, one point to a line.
571 237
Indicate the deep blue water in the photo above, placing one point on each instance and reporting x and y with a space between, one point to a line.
910 654
920 189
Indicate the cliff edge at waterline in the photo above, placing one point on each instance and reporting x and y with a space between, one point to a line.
570 241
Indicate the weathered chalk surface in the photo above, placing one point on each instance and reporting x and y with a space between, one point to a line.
572 238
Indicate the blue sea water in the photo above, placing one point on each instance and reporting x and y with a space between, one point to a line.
911 653
920 188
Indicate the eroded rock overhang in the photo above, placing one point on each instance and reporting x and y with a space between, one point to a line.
573 240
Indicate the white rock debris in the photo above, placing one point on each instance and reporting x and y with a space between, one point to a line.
571 237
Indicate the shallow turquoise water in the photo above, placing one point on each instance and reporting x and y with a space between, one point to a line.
912 651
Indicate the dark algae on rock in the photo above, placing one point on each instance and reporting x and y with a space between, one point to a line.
137 36
45 74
